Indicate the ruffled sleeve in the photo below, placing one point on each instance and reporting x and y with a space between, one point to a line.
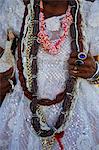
11 14
93 28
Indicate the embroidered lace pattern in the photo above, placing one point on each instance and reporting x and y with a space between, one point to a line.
82 133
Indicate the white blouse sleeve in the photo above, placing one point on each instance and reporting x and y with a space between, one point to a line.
11 14
93 28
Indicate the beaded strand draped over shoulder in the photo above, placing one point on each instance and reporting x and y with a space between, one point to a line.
82 133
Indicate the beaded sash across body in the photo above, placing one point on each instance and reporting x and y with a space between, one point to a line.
67 96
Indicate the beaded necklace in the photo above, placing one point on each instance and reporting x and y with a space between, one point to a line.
43 38
67 96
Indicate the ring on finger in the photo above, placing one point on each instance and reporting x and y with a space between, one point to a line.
79 62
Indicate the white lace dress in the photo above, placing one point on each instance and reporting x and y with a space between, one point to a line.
82 132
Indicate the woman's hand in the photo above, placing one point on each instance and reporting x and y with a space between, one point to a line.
5 86
86 70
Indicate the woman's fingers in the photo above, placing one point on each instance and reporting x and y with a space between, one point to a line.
6 75
72 61
83 71
5 87
6 90
4 84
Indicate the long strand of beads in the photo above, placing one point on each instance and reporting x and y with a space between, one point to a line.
28 50
66 107
47 143
68 99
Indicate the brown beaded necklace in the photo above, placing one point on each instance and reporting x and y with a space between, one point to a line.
67 95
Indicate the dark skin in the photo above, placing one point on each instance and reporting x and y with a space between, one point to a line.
54 8
5 86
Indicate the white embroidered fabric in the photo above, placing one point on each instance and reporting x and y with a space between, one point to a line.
91 13
82 133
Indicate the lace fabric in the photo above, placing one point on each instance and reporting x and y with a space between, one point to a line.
91 13
16 132
82 133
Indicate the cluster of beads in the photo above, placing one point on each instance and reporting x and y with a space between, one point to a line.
67 96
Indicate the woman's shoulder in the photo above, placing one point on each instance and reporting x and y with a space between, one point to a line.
91 12
11 14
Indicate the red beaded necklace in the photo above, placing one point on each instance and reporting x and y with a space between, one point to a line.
43 37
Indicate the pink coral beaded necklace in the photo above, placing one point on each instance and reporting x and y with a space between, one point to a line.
43 38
